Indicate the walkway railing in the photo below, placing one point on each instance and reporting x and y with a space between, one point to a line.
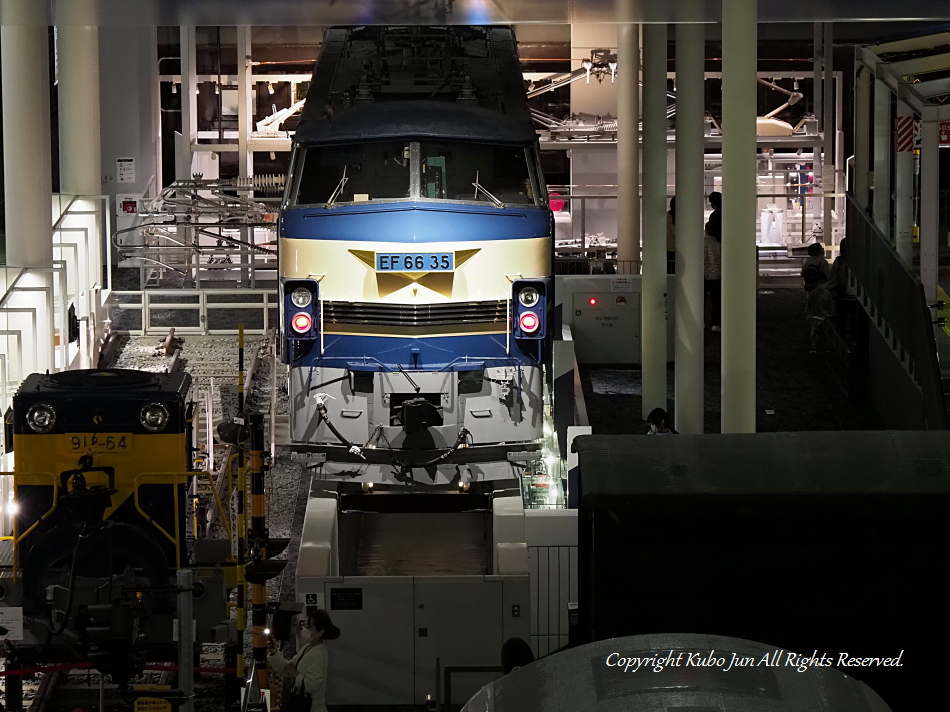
195 311
894 299
54 318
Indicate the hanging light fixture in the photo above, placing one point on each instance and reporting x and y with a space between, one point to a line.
270 87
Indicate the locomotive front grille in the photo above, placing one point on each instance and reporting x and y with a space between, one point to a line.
410 315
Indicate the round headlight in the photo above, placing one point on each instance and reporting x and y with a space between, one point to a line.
528 296
154 417
41 418
301 297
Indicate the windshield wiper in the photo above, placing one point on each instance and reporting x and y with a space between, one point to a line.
480 187
337 191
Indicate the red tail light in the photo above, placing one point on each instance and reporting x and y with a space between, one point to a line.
302 322
529 322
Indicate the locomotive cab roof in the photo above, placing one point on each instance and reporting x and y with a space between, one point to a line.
415 119
95 381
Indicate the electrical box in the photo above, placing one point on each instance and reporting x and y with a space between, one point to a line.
606 327
603 312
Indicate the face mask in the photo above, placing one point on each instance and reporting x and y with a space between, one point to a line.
303 638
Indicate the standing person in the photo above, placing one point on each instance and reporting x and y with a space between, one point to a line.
838 286
714 224
671 238
815 274
308 667
515 653
712 262
659 421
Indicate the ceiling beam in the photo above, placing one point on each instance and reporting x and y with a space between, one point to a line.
913 44
937 87
466 12
921 65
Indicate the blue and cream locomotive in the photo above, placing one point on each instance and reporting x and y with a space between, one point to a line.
416 257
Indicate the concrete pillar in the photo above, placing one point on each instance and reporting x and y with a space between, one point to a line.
817 98
883 131
245 112
690 124
829 176
841 163
80 146
653 297
24 52
904 191
739 41
628 142
128 91
862 135
929 202
189 106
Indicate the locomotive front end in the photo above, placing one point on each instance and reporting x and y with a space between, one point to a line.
102 458
416 297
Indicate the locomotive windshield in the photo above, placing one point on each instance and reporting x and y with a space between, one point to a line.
354 173
416 170
476 172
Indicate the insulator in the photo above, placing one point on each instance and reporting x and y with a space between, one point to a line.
263 183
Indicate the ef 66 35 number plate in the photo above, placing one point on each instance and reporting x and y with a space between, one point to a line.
415 261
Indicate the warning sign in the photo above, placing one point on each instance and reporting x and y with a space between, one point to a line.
11 623
621 284
125 170
229 402
152 704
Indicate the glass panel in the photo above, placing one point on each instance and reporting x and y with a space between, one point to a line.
448 171
373 171
542 486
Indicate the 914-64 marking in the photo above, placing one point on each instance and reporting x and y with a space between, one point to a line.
105 442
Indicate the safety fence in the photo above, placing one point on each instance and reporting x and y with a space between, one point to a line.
894 299
20 671
51 318
195 311
586 230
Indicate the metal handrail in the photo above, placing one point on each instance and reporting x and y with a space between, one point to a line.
167 478
897 297
17 537
266 300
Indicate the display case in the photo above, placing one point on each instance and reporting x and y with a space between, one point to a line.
543 487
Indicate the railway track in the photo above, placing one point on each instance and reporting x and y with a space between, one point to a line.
213 362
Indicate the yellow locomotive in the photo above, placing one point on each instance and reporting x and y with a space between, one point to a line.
103 460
